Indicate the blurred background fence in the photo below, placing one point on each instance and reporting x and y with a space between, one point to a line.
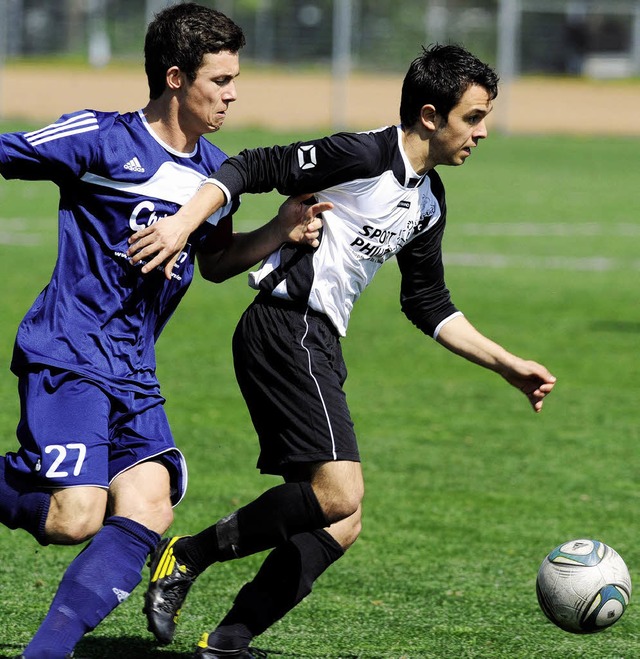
574 37
559 39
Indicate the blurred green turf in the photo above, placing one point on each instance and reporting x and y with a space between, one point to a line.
467 489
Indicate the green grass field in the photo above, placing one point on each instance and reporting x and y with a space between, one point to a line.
467 489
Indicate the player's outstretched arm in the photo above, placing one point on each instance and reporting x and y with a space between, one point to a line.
296 222
531 378
161 243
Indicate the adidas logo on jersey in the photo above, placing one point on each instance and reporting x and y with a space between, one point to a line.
134 165
120 594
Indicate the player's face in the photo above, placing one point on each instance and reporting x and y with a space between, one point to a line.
208 97
453 140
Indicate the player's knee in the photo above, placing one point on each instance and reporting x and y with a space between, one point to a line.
161 518
352 532
61 530
347 507
143 494
339 488
75 515
154 513
341 504
346 532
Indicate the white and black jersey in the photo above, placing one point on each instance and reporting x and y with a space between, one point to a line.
381 208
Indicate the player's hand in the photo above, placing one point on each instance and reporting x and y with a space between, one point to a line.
300 222
533 380
159 244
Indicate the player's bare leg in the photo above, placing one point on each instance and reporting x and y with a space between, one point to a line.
285 578
314 496
142 493
94 583
75 514
64 516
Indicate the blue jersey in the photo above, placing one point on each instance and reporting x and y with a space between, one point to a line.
99 316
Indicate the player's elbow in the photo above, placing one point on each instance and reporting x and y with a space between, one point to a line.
213 277
220 277
214 269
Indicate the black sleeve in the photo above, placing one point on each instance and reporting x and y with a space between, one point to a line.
303 167
424 296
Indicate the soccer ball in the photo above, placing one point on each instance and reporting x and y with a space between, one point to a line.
583 586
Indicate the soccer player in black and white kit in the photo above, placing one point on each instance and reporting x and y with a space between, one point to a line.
387 201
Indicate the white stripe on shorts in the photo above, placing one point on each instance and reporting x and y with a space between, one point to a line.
324 406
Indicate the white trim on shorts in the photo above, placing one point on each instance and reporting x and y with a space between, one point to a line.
313 377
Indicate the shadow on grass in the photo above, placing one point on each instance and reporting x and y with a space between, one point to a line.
133 647
126 647
628 327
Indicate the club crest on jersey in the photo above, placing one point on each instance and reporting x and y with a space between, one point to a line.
427 206
307 156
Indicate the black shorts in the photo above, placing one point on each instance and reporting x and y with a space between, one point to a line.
290 369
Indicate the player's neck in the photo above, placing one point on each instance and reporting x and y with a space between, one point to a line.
416 148
165 124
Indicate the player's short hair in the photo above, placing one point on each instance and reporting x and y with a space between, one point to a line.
181 35
440 76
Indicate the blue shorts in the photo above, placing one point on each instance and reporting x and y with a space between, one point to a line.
74 431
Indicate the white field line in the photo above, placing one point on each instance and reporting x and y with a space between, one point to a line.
540 230
7 238
536 229
587 264
18 231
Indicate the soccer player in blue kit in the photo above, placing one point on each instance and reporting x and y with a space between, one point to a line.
388 201
97 458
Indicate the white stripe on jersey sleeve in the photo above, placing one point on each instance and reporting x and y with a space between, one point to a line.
222 186
442 323
219 214
80 123
66 133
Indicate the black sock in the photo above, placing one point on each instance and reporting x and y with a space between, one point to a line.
269 520
285 579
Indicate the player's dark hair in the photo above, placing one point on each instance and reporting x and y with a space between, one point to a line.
181 36
440 76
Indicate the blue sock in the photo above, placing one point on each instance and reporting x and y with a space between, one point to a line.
100 577
22 509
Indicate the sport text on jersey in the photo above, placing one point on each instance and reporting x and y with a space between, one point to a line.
378 244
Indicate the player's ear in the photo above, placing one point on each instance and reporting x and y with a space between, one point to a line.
428 117
174 78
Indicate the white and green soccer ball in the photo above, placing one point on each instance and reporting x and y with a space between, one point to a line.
583 586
